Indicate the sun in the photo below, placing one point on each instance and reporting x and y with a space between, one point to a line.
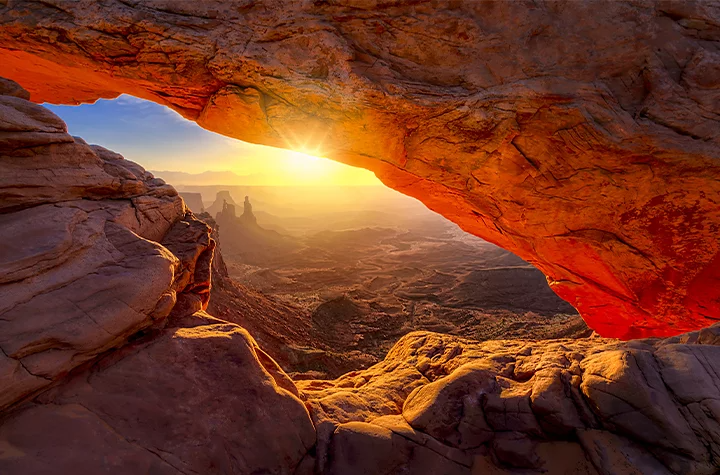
306 167
298 167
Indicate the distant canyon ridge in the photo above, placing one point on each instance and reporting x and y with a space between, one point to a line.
332 291
582 136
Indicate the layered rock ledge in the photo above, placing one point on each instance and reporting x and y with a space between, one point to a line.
94 249
582 136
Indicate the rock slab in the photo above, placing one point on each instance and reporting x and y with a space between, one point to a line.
94 250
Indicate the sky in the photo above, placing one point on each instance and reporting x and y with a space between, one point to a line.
160 139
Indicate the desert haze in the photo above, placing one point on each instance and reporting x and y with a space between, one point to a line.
361 266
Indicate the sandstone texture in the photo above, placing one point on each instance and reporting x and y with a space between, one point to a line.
441 404
200 396
94 249
191 399
583 136
111 365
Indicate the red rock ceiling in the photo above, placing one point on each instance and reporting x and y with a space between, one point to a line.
583 136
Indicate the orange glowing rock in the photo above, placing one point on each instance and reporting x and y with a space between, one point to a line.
584 137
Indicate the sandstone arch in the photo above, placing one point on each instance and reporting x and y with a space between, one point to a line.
581 136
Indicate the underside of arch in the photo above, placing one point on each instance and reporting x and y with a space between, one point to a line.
584 136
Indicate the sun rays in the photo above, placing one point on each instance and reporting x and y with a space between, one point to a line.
160 139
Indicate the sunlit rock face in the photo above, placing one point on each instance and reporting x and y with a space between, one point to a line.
443 404
95 250
583 136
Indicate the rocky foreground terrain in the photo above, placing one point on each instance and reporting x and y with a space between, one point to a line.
111 365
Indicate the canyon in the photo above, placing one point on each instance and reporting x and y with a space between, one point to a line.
344 287
583 136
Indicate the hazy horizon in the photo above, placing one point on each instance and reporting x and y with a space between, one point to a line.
158 138
212 177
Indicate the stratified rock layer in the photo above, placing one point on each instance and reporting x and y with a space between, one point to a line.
108 363
193 399
94 249
583 136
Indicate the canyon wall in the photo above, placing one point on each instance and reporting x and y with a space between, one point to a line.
583 136
94 249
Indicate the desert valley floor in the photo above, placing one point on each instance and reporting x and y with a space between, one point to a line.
361 278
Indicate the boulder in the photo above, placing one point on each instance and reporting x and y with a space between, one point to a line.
359 448
197 398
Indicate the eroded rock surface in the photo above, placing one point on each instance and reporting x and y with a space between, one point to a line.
94 249
191 399
109 363
441 404
583 136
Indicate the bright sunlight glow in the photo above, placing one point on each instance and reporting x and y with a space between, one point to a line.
159 139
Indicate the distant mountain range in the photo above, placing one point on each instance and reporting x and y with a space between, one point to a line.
207 178
280 177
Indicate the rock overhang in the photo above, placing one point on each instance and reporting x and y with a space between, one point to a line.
582 137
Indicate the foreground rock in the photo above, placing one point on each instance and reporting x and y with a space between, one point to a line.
201 398
582 136
94 249
108 363
441 404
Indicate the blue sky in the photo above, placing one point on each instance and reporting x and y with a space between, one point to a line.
151 134
158 138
